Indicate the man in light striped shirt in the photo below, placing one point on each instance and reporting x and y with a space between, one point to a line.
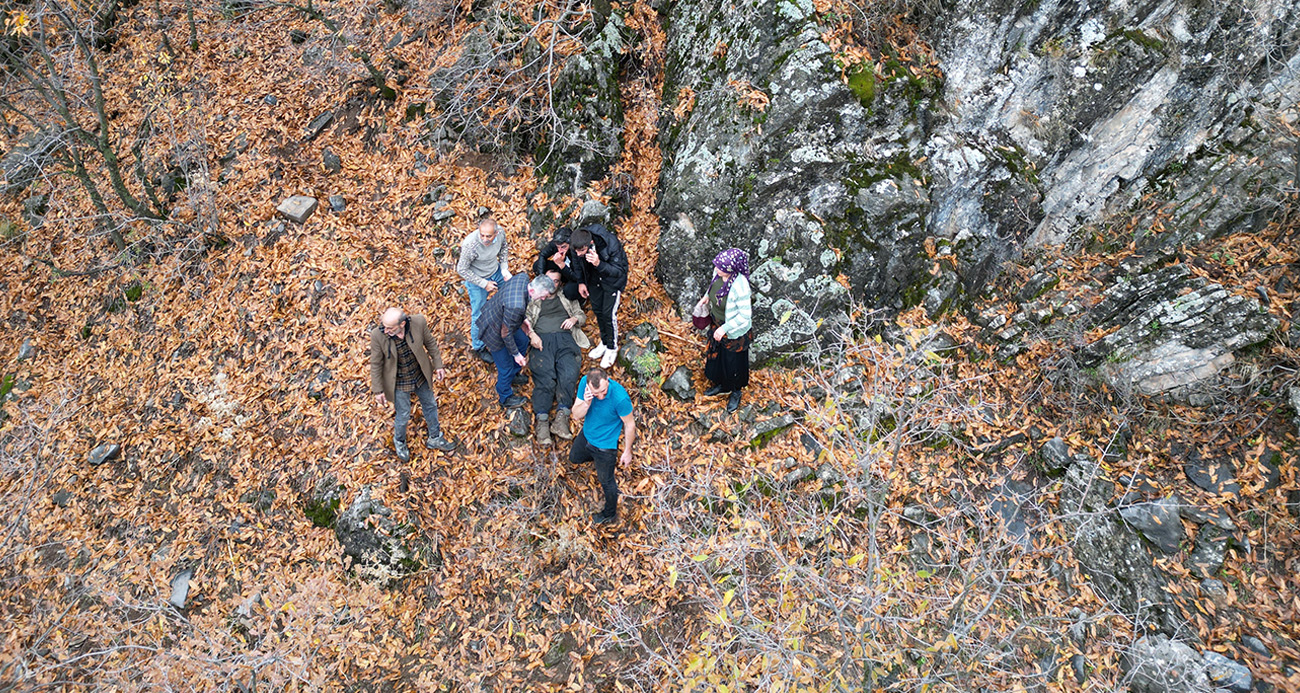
483 263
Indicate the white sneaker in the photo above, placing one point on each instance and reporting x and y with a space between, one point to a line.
608 359
598 352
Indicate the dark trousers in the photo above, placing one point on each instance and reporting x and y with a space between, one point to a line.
428 410
507 369
604 304
582 452
555 372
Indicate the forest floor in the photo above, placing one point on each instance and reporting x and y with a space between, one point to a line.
238 374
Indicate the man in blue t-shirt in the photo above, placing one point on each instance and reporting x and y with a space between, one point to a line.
607 409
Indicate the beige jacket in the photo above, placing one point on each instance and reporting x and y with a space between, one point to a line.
573 308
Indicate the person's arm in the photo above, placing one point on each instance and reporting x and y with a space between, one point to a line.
739 313
577 316
580 406
377 371
629 436
468 253
503 256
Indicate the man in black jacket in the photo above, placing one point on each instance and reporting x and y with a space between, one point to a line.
603 266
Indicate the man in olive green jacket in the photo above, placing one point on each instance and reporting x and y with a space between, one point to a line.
404 358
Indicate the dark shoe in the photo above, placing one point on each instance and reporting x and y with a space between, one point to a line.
560 425
601 518
520 380
439 443
513 402
713 391
403 453
484 355
733 402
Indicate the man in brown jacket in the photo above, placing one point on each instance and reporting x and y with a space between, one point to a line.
403 359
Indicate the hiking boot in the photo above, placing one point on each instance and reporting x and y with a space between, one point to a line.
484 355
713 391
439 443
513 402
560 425
403 453
542 431
608 359
733 402
598 352
601 518
520 380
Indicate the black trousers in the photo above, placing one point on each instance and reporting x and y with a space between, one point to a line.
555 372
604 304
604 460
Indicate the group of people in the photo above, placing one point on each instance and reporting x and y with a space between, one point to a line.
517 322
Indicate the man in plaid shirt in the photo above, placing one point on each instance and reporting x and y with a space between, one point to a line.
505 332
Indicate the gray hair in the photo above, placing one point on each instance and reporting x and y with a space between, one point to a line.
542 283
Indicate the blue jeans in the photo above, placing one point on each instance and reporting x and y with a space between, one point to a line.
428 410
477 297
507 369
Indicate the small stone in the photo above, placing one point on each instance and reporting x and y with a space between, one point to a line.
519 422
1080 666
1257 646
1215 476
27 350
766 430
318 125
1158 522
443 215
1055 455
810 444
1216 591
331 161
679 385
1263 294
798 475
181 589
270 100
62 499
828 474
1226 673
103 453
298 36
337 203
482 211
298 208
593 211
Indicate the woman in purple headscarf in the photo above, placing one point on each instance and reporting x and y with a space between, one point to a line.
726 362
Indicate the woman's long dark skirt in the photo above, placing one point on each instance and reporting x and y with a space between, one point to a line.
726 361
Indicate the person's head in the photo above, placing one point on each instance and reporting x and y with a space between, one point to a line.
487 229
555 277
541 287
731 262
580 241
393 321
561 239
598 381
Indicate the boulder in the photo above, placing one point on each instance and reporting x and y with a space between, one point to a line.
1157 664
1158 522
680 385
1216 476
520 422
298 208
372 542
1055 456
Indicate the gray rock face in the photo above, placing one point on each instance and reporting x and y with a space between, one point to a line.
1210 551
639 354
1049 116
1213 475
1055 455
1158 522
371 540
1113 555
1156 664
1176 332
680 385
298 208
